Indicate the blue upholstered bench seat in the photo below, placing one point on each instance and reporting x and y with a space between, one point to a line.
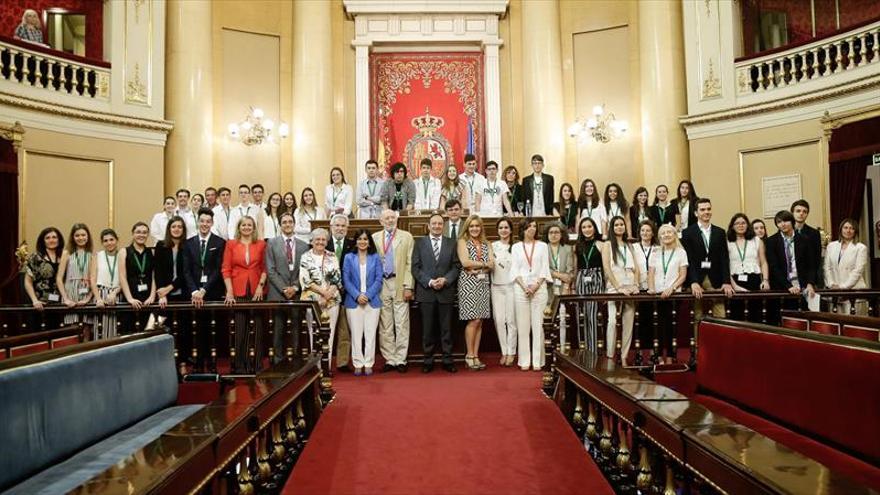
69 418
69 474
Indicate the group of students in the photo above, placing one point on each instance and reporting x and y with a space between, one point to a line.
207 250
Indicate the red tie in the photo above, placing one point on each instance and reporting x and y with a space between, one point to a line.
289 251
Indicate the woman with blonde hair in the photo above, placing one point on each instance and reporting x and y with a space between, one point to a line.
338 195
666 274
477 260
30 28
452 188
244 274
845 262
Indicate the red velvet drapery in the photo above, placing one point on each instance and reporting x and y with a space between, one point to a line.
407 86
10 290
847 178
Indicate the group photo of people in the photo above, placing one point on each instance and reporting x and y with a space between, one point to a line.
201 248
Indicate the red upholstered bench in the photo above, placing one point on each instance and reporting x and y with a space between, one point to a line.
817 394
856 327
793 323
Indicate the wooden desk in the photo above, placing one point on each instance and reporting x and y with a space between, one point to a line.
417 225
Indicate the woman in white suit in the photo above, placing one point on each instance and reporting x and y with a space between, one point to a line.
845 261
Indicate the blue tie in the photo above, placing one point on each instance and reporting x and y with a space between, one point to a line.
388 265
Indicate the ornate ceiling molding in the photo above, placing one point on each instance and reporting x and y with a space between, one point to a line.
90 115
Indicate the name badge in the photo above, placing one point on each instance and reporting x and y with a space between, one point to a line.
588 279
54 298
83 291
679 235
204 279
557 282
706 265
793 276
481 276
291 266
141 287
742 277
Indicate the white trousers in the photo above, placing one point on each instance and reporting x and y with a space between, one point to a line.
503 313
393 325
363 322
530 318
629 312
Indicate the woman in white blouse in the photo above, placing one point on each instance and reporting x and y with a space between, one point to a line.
748 266
503 300
591 205
338 195
645 250
272 218
666 274
530 269
621 277
306 212
845 261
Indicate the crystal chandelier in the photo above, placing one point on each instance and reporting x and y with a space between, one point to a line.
602 126
256 129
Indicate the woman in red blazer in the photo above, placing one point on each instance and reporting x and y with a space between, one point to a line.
244 273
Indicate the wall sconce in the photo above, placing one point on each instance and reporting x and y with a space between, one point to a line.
256 129
602 126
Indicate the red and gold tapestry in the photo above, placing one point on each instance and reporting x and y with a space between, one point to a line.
426 105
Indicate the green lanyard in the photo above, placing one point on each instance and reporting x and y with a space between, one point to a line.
568 212
664 262
662 211
589 255
141 262
111 268
706 239
554 259
203 254
493 190
624 256
742 253
336 194
82 262
470 184
371 186
425 184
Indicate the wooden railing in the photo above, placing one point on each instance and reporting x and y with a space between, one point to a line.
38 67
211 328
771 302
821 59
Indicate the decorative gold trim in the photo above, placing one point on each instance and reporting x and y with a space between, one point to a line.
23 175
135 91
711 83
12 133
868 82
79 113
138 92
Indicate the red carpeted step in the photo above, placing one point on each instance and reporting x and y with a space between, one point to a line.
489 432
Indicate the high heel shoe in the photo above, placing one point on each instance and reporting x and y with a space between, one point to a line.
469 362
479 364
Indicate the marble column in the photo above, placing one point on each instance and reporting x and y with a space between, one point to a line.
492 81
311 129
664 94
362 105
543 115
189 160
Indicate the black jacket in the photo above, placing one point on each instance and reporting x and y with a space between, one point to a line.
529 193
695 246
164 268
814 243
778 264
348 246
215 290
424 268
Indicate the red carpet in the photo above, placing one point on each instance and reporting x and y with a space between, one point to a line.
490 432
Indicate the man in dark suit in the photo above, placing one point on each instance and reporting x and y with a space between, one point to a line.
282 267
340 244
538 189
708 260
435 268
801 209
790 259
453 226
202 259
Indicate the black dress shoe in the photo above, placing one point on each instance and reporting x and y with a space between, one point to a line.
427 367
343 369
388 367
402 368
450 367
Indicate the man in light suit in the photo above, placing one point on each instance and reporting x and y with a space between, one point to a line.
435 268
395 250
282 267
